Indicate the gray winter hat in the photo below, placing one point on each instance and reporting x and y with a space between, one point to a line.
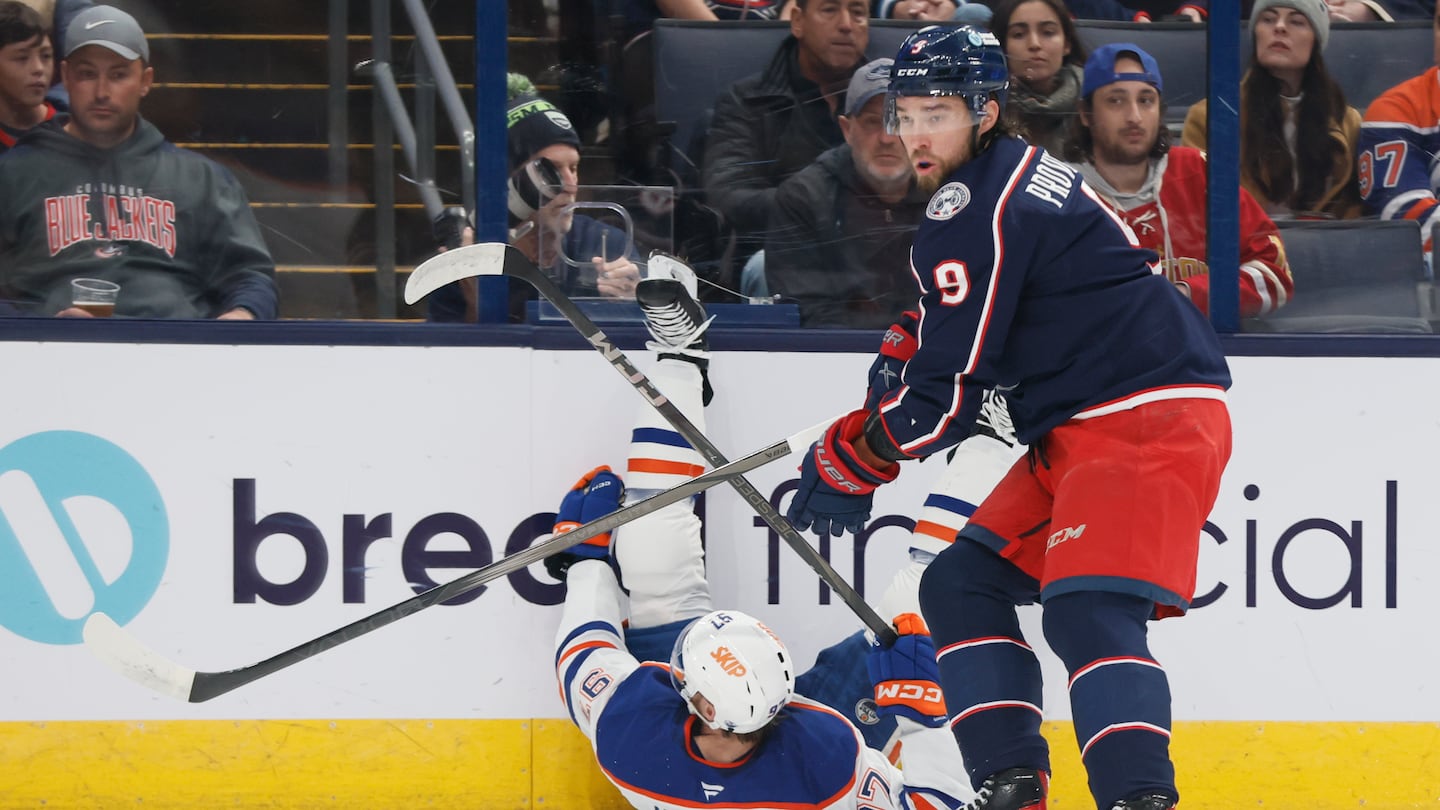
1314 10
109 28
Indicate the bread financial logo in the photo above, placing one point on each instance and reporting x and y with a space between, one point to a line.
950 200
82 528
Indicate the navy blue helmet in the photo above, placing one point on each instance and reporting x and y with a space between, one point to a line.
940 60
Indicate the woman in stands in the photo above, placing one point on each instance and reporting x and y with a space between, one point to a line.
1046 61
1297 135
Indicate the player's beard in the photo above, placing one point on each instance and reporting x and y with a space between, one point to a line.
930 182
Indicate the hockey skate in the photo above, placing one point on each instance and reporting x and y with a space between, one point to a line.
677 322
1013 789
1155 801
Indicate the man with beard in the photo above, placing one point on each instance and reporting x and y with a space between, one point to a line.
1159 189
839 243
1031 286
771 125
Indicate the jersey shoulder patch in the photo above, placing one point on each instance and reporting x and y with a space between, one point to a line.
950 200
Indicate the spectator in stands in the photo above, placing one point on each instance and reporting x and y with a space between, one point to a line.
1046 59
26 64
1141 10
1298 137
771 125
973 12
1398 144
1378 11
1159 190
839 245
57 15
640 15
100 193
586 257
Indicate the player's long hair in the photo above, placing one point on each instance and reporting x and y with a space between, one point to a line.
1299 182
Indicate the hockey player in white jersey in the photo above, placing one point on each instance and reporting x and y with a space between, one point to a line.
721 725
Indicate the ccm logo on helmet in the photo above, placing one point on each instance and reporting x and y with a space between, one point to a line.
728 662
912 71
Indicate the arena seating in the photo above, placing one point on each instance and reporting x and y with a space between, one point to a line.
696 61
1353 276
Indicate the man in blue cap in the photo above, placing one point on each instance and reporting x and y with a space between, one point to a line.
1159 189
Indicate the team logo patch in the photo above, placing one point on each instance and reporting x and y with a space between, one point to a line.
558 119
867 712
950 200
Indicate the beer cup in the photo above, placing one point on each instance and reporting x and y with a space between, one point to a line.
95 296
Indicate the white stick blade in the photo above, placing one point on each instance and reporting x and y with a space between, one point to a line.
123 653
483 259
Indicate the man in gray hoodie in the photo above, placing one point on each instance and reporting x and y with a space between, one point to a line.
101 194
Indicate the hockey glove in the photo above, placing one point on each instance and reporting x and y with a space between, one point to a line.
836 486
906 676
597 494
896 349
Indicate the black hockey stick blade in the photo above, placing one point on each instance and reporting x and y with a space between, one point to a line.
125 654
517 265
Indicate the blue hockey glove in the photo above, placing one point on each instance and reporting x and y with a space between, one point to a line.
597 494
896 349
836 486
906 676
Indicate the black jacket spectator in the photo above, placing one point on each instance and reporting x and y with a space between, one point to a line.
765 128
839 251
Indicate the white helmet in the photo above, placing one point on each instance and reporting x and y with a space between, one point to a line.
738 664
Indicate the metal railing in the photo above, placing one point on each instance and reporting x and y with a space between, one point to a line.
392 123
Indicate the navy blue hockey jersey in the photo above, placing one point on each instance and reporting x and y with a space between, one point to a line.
1031 285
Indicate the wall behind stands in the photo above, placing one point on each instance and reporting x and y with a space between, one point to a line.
229 502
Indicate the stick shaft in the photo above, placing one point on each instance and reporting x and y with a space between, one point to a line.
517 264
129 657
209 685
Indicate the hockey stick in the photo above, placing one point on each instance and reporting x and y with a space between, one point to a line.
123 653
495 258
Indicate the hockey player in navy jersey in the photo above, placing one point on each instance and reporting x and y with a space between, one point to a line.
721 725
1117 383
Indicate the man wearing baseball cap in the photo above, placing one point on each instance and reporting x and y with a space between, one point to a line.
839 240
99 193
1159 189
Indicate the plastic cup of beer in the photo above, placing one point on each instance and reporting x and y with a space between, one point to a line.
95 296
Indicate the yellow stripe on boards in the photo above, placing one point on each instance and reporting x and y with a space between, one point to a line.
1280 766
380 764
271 764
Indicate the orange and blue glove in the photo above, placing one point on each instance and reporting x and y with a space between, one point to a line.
597 494
906 676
